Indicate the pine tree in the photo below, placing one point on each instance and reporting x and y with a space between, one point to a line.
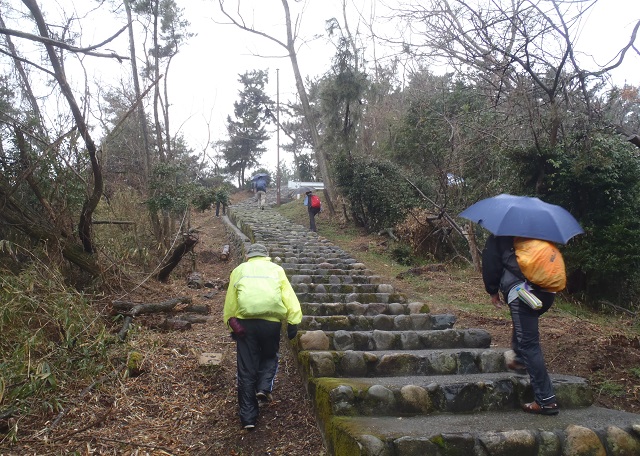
247 130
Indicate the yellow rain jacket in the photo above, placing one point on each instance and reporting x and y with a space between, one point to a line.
260 289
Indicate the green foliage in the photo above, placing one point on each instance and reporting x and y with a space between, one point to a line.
611 388
221 195
445 134
173 189
50 336
403 254
599 185
203 198
378 194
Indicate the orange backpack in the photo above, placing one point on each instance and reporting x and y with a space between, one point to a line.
541 263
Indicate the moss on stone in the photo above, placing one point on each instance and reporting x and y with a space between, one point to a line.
134 364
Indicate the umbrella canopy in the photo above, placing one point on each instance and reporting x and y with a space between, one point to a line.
301 190
509 215
258 176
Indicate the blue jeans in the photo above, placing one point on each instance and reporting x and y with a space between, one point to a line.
525 341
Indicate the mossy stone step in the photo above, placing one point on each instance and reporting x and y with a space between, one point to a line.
405 339
389 363
378 322
294 270
334 279
356 308
344 266
364 298
317 260
343 288
574 432
408 396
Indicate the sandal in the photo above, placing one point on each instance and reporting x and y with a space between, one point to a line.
537 409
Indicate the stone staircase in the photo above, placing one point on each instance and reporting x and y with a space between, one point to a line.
387 377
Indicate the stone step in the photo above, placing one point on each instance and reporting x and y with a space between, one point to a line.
364 350
294 270
323 288
363 298
316 260
390 363
379 322
403 340
335 279
574 432
308 251
356 308
408 396
324 265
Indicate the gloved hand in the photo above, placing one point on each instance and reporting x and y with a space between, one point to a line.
236 327
292 330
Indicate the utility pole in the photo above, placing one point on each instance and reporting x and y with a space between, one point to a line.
278 136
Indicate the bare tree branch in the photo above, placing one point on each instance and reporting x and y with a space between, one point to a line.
68 47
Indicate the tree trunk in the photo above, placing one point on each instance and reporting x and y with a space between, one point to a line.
320 153
18 217
176 256
142 118
90 204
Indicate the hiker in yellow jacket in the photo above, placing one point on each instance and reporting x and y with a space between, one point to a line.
258 299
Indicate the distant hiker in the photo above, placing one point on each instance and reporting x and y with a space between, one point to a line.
221 197
258 299
261 189
314 206
500 272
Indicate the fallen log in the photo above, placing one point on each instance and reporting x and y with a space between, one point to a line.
224 255
202 309
191 318
174 324
190 241
133 309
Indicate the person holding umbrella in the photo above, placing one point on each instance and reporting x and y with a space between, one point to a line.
501 273
507 216
261 189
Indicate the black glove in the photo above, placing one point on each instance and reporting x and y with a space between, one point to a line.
236 327
292 330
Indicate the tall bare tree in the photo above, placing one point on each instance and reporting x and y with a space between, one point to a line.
289 45
34 149
524 47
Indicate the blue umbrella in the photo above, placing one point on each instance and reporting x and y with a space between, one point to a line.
509 215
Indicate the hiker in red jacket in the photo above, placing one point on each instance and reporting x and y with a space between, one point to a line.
313 207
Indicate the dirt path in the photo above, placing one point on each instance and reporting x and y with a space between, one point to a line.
176 407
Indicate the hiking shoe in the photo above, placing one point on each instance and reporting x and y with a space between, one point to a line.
516 366
537 409
249 427
263 396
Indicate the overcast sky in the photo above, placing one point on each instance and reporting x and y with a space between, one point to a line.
203 76
222 52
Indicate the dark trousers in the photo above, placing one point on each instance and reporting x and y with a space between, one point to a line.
525 341
312 217
224 209
257 358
